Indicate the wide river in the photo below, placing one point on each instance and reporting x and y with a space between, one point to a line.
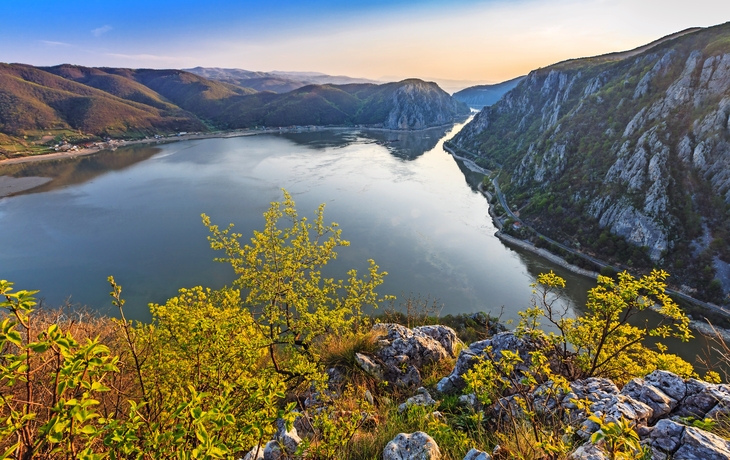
135 213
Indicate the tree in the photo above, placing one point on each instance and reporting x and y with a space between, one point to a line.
293 304
608 340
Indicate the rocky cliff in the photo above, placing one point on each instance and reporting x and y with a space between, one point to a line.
626 154
416 104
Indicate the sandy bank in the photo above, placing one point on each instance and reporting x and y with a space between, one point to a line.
10 185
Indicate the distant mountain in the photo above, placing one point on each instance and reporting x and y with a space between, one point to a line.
410 104
478 97
626 155
33 99
278 82
42 105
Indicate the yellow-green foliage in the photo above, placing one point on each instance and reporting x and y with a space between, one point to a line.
203 341
608 340
284 288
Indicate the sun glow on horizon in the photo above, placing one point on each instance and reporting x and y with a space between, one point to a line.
480 41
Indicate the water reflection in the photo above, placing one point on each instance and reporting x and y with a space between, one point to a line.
73 171
135 214
406 145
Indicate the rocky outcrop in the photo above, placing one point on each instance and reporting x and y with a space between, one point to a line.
489 349
403 351
671 440
415 446
632 144
416 104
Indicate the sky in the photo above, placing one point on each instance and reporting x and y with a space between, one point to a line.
484 41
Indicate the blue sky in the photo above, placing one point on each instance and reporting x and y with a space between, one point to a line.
476 40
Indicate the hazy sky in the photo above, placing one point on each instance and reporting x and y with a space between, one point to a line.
487 40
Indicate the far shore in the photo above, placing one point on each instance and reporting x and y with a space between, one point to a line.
185 137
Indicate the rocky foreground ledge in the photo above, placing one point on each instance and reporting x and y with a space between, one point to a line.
657 406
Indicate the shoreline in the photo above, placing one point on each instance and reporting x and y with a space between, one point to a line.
214 135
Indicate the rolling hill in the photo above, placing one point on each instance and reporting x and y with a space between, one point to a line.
41 105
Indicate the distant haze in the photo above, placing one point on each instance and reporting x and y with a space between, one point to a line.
480 41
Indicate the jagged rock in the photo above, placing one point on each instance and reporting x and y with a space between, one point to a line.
442 334
671 384
369 366
404 351
479 350
415 446
660 403
588 451
421 398
687 443
416 104
475 454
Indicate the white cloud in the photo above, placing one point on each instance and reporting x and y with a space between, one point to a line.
99 31
52 43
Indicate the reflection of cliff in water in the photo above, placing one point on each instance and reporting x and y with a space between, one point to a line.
72 171
407 145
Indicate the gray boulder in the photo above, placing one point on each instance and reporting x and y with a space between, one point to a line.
272 451
370 367
489 349
588 451
288 440
476 454
670 439
442 334
421 398
660 403
415 446
403 352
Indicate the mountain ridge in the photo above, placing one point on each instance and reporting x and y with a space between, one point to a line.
40 106
625 155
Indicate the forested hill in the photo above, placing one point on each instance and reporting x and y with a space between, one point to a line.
42 104
626 155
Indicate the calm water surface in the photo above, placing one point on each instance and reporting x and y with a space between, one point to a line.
135 214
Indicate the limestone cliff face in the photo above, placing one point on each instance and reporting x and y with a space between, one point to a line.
416 104
637 143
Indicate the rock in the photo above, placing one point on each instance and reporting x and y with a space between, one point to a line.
469 357
660 403
370 367
288 440
670 384
404 351
681 442
588 451
421 398
272 451
442 334
257 453
415 446
369 397
701 445
475 454
469 400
